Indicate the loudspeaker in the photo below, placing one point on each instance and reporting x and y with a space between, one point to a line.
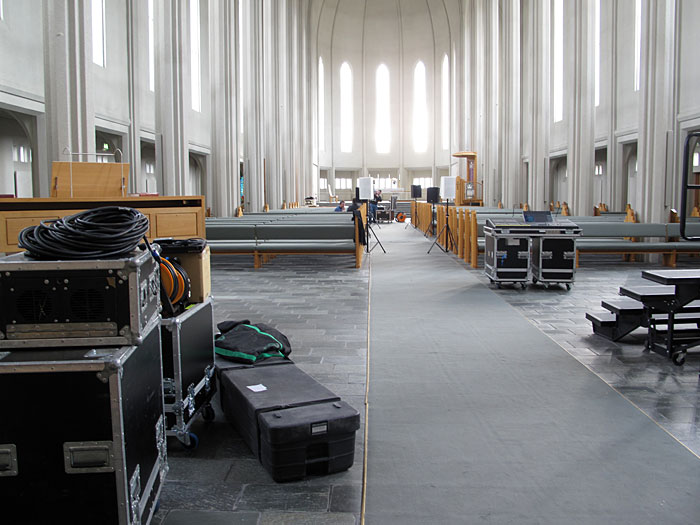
448 187
365 186
433 195
415 191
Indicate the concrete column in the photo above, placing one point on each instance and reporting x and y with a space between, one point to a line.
307 175
70 117
614 150
172 95
581 110
539 14
223 24
253 83
656 145
133 149
510 100
272 96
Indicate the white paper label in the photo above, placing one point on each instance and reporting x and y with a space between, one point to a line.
257 388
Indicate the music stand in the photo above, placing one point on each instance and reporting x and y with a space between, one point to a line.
368 229
448 231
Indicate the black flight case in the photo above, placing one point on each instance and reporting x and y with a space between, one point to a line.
95 302
506 251
188 369
294 425
82 438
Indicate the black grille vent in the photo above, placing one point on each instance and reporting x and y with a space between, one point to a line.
87 305
35 306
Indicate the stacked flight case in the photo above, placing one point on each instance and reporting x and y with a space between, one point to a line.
188 369
84 439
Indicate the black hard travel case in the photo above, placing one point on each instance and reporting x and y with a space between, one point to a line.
285 386
82 438
312 439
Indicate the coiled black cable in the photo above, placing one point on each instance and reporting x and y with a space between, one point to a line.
99 233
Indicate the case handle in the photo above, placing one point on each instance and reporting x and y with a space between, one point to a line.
8 460
83 457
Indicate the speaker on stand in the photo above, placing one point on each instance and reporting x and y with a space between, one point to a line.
448 189
432 195
415 195
364 191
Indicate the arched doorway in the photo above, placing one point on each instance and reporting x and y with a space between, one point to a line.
16 157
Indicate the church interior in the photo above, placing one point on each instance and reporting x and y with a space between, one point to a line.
471 228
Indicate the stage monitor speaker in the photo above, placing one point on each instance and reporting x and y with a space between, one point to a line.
416 191
448 188
365 185
433 195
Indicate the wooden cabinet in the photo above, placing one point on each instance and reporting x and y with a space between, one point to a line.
177 217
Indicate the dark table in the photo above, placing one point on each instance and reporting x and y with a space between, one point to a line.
675 290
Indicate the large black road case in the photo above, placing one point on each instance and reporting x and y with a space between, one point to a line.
291 422
188 369
554 257
506 252
312 439
96 302
82 438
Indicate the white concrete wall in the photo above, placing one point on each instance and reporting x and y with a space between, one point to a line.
21 49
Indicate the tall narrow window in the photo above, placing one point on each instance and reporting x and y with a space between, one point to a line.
321 106
151 48
195 58
2 9
420 109
637 44
346 108
382 124
558 62
98 32
445 102
596 45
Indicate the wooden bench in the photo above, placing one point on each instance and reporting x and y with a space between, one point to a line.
267 236
626 238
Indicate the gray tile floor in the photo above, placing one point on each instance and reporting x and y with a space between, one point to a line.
320 303
668 394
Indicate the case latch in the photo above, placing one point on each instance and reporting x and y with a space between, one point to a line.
8 460
85 457
135 496
545 255
189 402
208 374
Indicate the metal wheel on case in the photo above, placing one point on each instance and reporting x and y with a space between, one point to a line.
568 287
678 358
191 443
208 413
522 285
534 280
